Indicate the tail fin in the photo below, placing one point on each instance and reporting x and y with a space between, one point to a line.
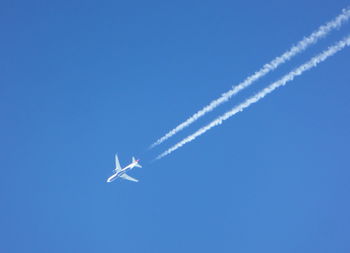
137 163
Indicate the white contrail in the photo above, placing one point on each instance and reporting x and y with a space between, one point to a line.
299 47
289 77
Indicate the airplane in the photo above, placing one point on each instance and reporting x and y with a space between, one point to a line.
121 172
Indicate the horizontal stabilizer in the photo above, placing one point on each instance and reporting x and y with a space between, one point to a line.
127 177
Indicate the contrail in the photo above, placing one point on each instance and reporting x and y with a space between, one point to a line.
294 50
289 77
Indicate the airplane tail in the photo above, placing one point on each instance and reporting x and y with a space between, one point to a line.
137 162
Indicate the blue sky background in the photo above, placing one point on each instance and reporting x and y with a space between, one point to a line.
82 80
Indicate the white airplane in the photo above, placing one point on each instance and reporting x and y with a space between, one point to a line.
121 172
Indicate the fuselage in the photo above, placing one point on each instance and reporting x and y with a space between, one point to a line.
122 171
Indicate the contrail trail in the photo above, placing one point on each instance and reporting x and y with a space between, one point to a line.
289 77
294 50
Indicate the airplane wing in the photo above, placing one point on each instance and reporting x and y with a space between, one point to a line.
129 178
117 164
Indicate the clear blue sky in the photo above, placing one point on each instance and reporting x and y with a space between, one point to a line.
82 80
